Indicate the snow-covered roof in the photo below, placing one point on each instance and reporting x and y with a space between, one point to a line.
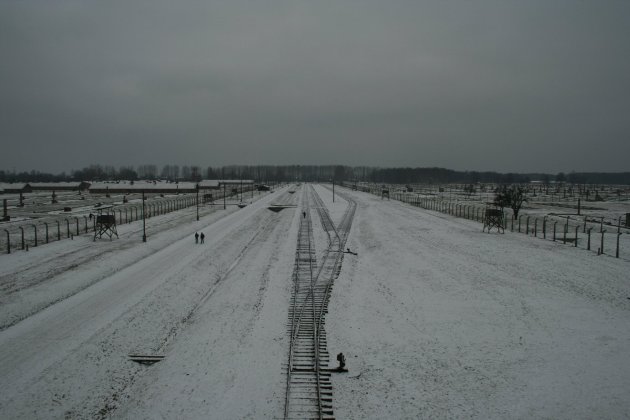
143 186
58 185
209 183
235 181
10 187
217 183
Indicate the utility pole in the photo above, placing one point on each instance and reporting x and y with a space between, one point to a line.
197 201
144 230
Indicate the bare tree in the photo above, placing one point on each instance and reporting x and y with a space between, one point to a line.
512 197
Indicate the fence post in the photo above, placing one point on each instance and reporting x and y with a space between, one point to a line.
536 227
545 227
77 220
588 244
68 226
602 243
22 230
554 230
576 235
519 223
58 230
527 226
617 251
35 230
86 223
46 224
564 237
584 229
8 241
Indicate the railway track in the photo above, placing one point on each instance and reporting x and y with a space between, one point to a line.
308 386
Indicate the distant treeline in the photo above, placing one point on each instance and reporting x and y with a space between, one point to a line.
312 173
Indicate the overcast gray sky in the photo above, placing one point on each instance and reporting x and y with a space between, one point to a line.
517 86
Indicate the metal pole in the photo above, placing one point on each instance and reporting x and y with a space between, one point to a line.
566 229
527 226
35 230
144 230
8 241
579 206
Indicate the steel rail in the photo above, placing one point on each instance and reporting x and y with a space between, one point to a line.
297 321
311 293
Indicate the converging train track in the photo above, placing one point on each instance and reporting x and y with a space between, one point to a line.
308 386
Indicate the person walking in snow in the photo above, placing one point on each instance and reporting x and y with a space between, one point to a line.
196 238
202 236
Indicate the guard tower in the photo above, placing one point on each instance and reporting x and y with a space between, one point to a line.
494 218
105 223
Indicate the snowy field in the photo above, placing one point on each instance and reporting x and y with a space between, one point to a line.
436 319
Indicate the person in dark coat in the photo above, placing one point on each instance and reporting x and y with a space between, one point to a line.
196 238
202 236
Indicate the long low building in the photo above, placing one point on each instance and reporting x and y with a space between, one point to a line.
217 184
60 186
166 187
154 187
15 188
127 187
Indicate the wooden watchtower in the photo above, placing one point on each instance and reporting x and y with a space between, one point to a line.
105 223
494 218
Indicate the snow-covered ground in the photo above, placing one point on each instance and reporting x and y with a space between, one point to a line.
440 320
436 319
